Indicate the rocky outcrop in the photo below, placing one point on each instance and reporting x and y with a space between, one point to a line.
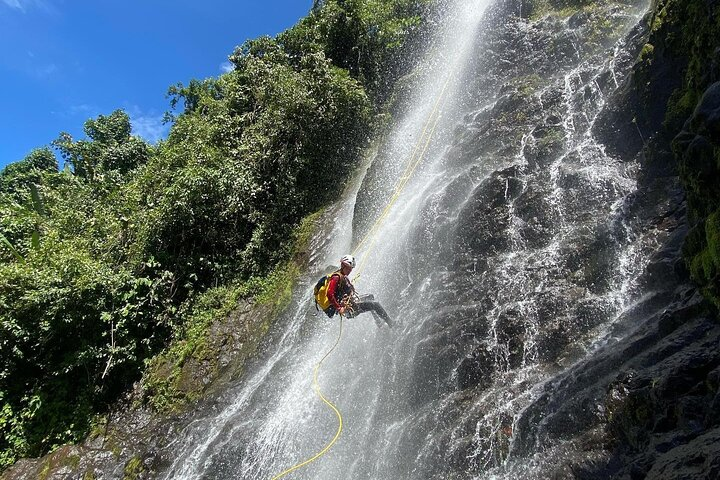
663 406
698 148
644 406
128 442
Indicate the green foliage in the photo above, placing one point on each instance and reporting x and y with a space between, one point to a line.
165 380
133 469
15 177
690 30
132 246
111 148
371 39
254 152
10 247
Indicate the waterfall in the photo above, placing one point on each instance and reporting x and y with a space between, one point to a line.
510 257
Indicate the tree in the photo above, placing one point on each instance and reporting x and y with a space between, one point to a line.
15 179
111 148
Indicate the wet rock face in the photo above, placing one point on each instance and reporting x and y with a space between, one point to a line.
660 403
483 223
706 119
541 254
531 236
698 147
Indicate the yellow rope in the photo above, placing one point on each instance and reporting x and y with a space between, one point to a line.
412 164
407 174
316 386
409 168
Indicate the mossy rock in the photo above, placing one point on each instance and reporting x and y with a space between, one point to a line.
698 150
134 468
705 262
225 328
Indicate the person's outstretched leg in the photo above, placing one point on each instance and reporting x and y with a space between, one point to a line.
374 307
378 320
383 314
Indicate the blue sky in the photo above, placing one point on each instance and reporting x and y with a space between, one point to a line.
64 61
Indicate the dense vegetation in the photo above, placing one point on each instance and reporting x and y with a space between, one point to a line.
691 28
678 64
107 259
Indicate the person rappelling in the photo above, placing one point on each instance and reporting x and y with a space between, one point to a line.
334 293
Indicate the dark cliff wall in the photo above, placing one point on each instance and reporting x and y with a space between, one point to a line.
662 400
663 408
676 83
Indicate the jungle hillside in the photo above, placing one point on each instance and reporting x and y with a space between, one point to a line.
114 251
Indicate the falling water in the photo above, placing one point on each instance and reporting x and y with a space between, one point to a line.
507 258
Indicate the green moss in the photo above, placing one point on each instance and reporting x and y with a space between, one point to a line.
705 264
161 384
168 378
658 19
688 32
89 475
98 426
305 231
71 461
553 139
680 106
114 447
133 469
45 472
167 386
647 53
528 84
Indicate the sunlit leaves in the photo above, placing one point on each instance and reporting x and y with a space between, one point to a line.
101 263
110 149
4 241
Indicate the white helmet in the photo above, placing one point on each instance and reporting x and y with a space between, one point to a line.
348 260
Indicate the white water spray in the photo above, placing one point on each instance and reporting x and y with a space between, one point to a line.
444 391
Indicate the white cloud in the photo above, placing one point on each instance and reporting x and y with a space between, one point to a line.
227 67
43 71
14 4
24 5
149 127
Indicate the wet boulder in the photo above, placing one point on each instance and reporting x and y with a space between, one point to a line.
484 221
698 459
